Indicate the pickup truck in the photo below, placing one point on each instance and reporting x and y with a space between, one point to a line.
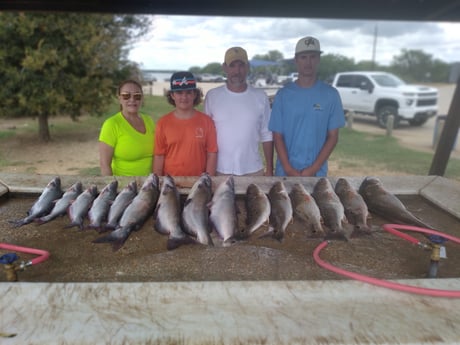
381 94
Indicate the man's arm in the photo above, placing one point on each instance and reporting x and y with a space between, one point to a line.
281 151
323 156
267 147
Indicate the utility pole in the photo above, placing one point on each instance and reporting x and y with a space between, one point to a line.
374 46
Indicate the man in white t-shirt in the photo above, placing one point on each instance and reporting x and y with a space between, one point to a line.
241 114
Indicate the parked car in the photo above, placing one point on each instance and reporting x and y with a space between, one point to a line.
208 77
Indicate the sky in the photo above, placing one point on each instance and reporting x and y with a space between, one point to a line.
180 42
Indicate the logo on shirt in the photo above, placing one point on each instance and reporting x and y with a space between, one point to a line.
317 106
199 132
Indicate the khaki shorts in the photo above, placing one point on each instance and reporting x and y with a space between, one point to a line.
257 173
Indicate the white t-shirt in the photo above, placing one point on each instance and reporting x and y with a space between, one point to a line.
241 120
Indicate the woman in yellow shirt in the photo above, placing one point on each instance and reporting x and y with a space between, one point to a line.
126 140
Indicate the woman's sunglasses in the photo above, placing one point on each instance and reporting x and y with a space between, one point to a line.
127 95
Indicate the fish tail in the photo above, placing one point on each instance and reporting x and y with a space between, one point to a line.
74 224
19 222
117 238
175 242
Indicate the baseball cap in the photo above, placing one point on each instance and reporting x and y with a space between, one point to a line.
234 54
307 44
183 81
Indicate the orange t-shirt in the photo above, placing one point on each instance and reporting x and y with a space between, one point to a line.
185 143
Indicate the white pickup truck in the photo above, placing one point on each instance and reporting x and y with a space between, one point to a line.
382 94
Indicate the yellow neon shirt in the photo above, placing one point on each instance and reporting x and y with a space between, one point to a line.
133 151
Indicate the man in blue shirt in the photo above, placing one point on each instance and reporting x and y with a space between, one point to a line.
306 116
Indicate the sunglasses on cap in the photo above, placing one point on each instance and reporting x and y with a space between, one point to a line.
137 96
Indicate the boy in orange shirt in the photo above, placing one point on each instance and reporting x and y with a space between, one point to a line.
185 138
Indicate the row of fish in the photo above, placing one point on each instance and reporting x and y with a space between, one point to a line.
336 213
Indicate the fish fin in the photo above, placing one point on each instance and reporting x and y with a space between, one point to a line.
175 242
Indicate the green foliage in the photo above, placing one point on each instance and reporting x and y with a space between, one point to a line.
63 63
213 68
415 65
272 55
333 63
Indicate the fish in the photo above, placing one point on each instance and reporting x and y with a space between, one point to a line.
136 213
355 207
122 200
331 209
43 205
383 203
306 210
78 210
99 210
281 213
195 214
257 208
168 215
61 205
223 210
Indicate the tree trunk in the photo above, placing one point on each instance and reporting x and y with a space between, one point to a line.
43 129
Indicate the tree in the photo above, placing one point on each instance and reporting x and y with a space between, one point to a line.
272 55
334 63
416 65
66 63
213 68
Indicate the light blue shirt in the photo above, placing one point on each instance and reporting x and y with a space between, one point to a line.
303 116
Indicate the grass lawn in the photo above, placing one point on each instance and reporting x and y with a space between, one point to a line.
384 152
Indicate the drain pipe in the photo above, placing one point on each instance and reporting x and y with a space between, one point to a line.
11 268
385 283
